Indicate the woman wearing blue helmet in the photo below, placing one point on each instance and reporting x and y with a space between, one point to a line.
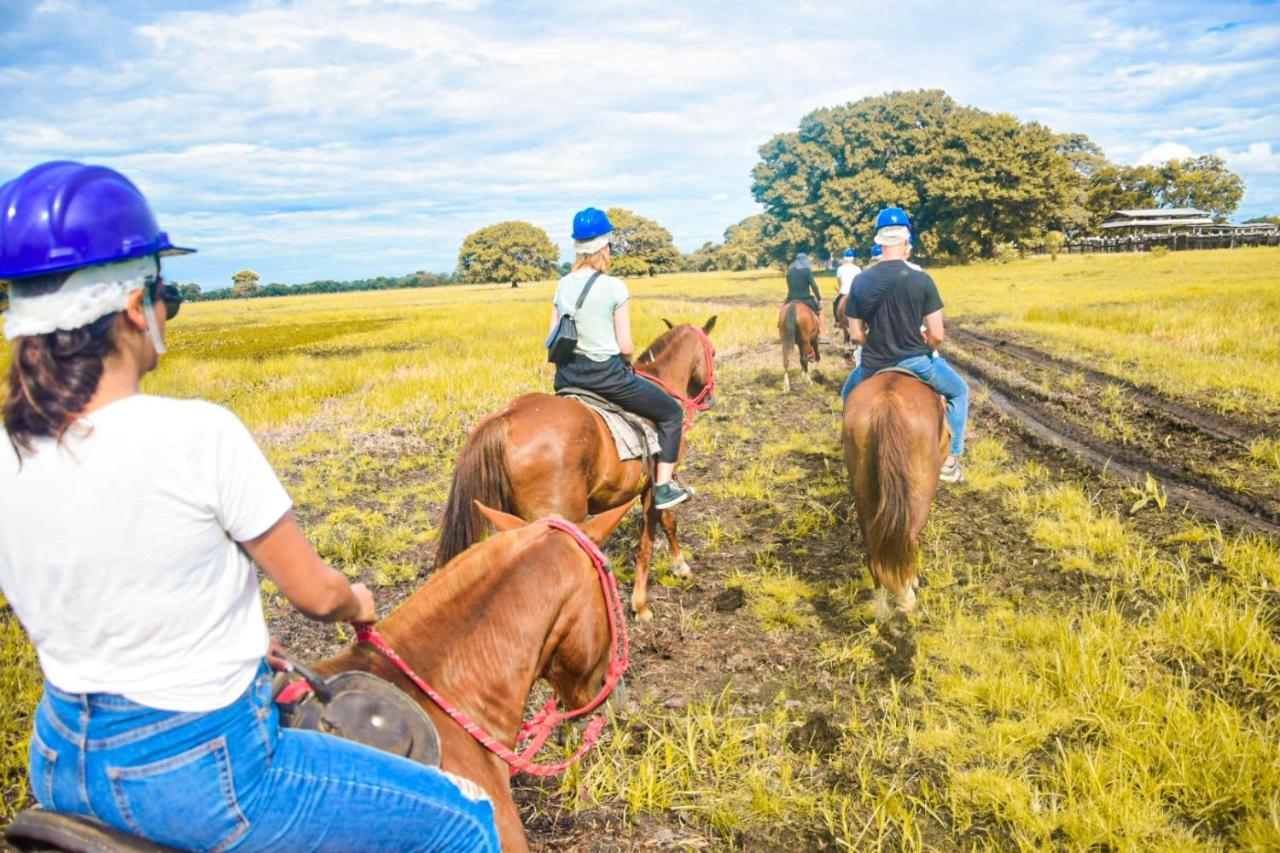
129 529
602 359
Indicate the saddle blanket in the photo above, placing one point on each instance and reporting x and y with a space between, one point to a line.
634 436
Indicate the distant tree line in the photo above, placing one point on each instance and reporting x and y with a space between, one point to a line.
245 286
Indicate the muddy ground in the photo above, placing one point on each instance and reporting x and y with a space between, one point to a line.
704 639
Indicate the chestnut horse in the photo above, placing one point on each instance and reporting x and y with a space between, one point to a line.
546 455
519 607
797 327
895 439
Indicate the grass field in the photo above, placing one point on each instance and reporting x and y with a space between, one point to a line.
1080 673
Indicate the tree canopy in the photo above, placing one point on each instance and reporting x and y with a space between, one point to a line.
511 251
972 181
1203 182
640 246
244 284
743 248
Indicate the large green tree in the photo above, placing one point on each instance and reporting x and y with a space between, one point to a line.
1204 182
640 246
511 251
971 180
743 248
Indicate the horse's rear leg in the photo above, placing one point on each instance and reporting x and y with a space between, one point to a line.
644 553
678 563
804 365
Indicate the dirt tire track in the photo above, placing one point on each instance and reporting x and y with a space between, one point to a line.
1042 426
1210 423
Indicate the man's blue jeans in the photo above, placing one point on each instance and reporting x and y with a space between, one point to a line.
934 370
232 779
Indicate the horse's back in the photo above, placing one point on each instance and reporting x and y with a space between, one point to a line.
915 410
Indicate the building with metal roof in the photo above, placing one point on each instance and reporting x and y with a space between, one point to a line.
1158 217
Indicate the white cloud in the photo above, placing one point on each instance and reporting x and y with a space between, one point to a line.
1165 151
1258 158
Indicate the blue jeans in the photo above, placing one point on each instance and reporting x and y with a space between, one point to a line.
232 779
934 370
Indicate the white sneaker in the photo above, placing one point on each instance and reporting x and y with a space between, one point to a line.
951 472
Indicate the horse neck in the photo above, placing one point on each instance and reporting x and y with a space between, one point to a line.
482 630
675 363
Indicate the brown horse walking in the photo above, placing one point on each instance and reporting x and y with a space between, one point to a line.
519 607
797 327
546 455
895 439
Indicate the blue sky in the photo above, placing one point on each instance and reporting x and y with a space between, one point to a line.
350 138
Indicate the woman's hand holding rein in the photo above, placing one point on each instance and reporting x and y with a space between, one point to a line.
317 590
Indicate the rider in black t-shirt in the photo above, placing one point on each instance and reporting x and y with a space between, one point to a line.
889 303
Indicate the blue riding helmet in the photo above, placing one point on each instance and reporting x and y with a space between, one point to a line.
590 223
877 251
850 253
63 215
892 216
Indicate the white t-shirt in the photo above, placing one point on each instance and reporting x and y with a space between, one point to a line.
846 274
118 552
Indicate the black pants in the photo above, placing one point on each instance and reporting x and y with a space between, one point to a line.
616 383
807 300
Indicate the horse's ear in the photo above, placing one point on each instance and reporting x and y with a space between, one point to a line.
599 527
668 322
500 520
710 324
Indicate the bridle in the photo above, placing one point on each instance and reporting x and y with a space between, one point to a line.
534 733
702 400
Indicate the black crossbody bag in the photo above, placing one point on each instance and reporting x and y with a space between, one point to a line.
564 338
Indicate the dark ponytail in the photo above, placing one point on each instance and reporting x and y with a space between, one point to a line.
52 377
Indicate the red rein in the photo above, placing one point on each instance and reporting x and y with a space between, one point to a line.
534 733
701 402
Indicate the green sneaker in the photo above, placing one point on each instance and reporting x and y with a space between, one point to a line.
670 494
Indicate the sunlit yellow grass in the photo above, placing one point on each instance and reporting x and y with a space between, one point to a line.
1138 713
1189 323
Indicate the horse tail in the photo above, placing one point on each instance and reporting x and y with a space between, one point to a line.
481 475
789 327
889 542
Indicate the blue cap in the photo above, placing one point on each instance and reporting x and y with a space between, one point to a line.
849 253
63 215
877 250
590 223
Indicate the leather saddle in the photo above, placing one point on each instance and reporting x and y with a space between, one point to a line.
360 707
356 706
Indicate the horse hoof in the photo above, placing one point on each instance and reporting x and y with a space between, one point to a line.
682 569
645 615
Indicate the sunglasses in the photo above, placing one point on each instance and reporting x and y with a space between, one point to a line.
169 295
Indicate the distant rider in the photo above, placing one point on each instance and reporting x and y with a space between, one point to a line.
845 274
801 287
602 361
889 302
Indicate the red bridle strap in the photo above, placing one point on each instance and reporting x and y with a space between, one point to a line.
702 401
534 733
